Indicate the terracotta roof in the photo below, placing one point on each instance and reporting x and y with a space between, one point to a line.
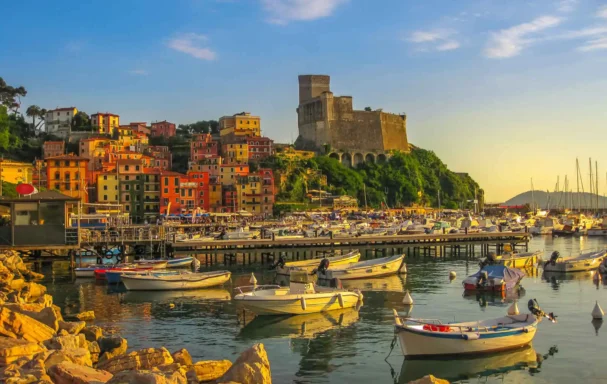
171 173
129 161
62 109
45 195
67 157
104 114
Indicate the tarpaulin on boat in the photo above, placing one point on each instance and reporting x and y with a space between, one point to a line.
501 272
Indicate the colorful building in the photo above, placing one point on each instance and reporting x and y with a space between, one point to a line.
202 189
131 187
59 121
97 150
203 146
151 192
140 127
187 191
163 128
105 123
235 153
259 147
215 195
240 124
170 196
229 172
163 158
268 191
16 172
67 174
53 148
107 188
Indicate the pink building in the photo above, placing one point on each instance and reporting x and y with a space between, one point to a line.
163 128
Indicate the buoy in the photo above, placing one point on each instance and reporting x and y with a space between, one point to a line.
407 300
596 276
403 269
597 312
171 305
303 303
597 324
397 319
253 280
340 299
513 310
452 275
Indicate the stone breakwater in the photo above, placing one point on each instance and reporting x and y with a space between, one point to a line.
37 345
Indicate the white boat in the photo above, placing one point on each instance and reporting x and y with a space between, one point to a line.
301 297
585 262
155 264
545 226
240 234
384 266
597 231
514 259
180 262
179 281
285 268
195 239
420 338
88 271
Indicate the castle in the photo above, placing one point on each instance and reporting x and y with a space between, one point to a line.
329 124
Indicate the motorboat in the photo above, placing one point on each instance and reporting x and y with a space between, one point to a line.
240 234
180 281
100 273
493 278
154 264
285 268
545 226
89 270
180 262
286 234
384 266
301 297
597 231
420 338
513 259
584 262
113 275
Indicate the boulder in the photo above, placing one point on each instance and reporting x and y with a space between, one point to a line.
46 300
138 360
46 315
429 379
16 284
35 368
33 275
148 377
70 373
94 349
80 356
110 343
33 290
66 342
72 327
55 357
212 369
15 264
92 332
13 349
182 357
86 316
18 326
251 367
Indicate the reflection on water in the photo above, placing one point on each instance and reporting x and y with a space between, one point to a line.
501 299
350 346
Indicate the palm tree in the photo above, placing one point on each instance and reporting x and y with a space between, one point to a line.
34 112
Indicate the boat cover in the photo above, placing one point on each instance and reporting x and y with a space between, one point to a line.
501 272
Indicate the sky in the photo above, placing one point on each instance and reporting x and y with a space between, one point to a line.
507 91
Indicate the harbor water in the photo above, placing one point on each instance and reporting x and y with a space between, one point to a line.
351 346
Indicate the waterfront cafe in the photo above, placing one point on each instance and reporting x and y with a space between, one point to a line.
38 219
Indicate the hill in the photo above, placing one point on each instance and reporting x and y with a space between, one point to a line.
557 199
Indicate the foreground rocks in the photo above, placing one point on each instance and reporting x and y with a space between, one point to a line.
38 346
429 379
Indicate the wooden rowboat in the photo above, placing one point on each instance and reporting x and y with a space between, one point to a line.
179 281
384 266
283 268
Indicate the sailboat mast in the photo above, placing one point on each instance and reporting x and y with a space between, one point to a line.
591 184
577 177
596 181
532 198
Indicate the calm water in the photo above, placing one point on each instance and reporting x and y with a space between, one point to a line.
351 346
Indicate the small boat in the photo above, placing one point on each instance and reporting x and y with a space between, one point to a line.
597 231
421 338
89 271
285 268
493 278
301 297
155 264
384 266
179 281
513 259
114 276
199 239
585 262
240 234
180 262
100 272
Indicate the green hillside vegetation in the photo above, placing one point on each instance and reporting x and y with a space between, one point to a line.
403 180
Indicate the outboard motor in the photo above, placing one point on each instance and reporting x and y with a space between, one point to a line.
534 308
483 279
323 266
491 259
335 283
553 258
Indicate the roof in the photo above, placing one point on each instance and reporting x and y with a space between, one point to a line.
62 109
171 173
162 122
45 195
104 114
67 157
129 161
54 142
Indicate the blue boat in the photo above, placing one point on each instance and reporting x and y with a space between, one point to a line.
180 263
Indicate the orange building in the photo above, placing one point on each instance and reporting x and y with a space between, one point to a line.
105 123
68 175
169 192
201 179
53 148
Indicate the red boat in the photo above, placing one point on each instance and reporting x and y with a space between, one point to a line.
100 272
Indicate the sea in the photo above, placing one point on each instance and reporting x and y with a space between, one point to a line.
358 346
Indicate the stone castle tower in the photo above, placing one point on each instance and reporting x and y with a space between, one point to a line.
328 121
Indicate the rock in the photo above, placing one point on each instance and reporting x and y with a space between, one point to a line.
137 360
46 315
47 301
251 367
148 377
15 264
70 373
80 356
13 349
33 290
55 357
72 327
85 316
34 275
17 284
35 368
429 379
66 342
182 357
211 370
92 332
16 325
110 343
94 349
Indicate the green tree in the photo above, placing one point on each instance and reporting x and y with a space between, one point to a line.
81 121
35 112
10 96
368 109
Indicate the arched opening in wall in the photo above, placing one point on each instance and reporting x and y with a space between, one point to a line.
358 159
346 159
334 156
369 158
381 158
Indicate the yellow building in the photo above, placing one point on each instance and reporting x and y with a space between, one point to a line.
16 172
235 153
107 188
240 124
67 174
96 149
105 123
229 173
248 189
215 197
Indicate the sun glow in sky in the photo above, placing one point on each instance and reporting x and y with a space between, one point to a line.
504 90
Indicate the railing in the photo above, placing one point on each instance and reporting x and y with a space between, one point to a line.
255 288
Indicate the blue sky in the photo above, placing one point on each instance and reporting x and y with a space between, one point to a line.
504 90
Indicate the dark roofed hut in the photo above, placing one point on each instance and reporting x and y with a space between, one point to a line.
36 220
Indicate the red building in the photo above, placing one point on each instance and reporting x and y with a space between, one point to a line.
52 149
259 147
230 199
140 127
187 193
202 146
169 192
203 199
163 128
163 158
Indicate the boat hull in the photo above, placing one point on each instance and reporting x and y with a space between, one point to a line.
573 265
180 263
310 265
384 267
520 261
292 304
170 283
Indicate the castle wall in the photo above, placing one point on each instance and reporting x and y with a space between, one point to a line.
360 132
394 132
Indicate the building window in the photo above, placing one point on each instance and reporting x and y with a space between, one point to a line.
166 190
137 187
105 187
57 186
166 181
177 190
136 167
105 177
127 197
177 181
127 178
105 197
127 187
126 167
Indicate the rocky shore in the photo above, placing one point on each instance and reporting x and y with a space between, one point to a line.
37 345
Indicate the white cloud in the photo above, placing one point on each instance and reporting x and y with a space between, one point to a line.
284 11
510 42
567 6
192 44
586 32
438 39
594 44
75 46
139 72
602 12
